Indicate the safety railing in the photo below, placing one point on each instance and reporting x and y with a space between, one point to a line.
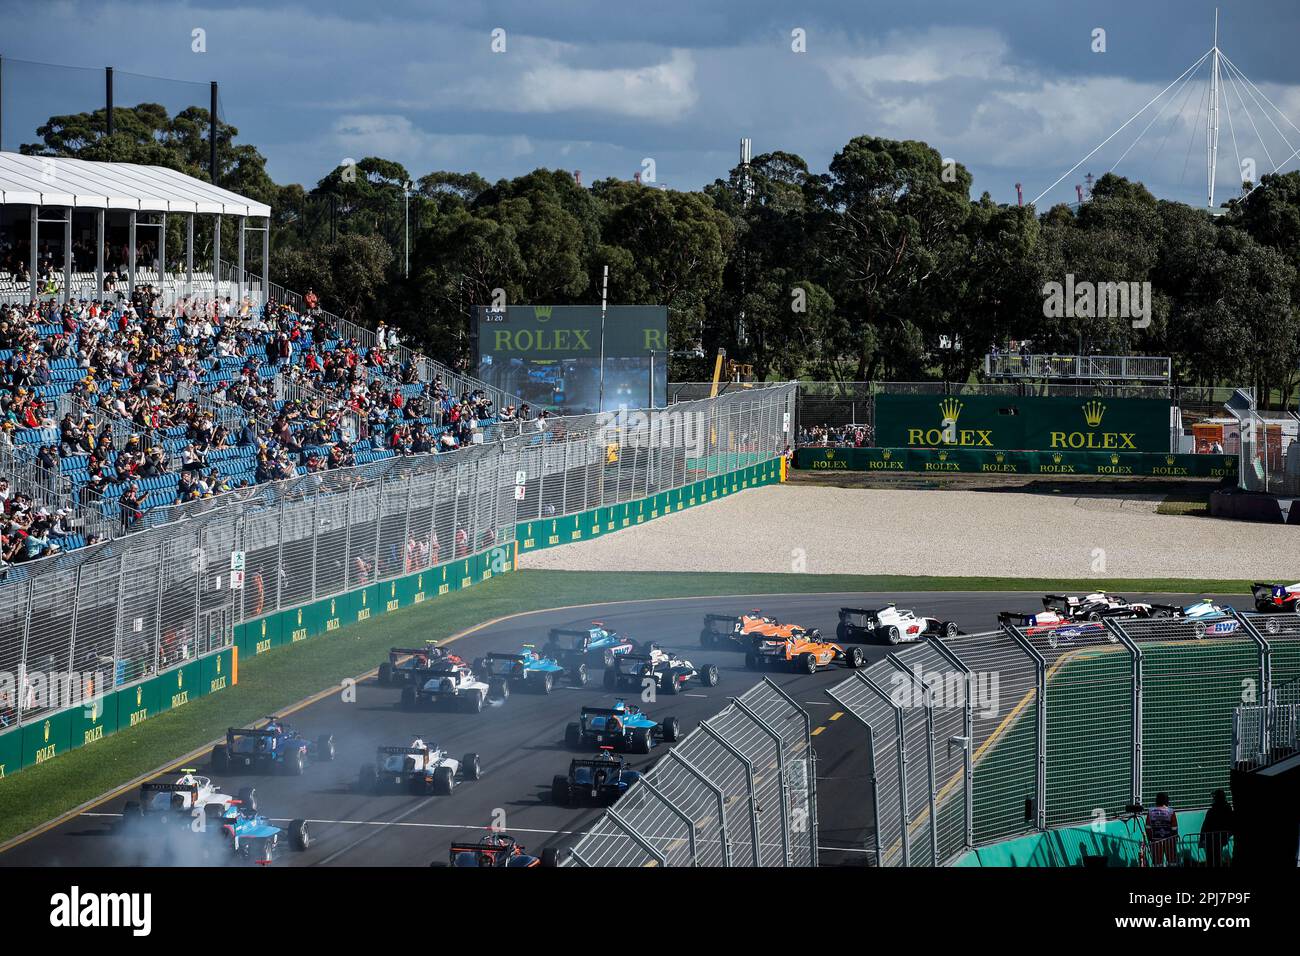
979 738
739 790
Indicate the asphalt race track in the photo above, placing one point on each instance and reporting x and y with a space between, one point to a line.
520 744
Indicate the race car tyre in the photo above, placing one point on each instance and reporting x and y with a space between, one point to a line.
366 777
212 813
607 658
543 682
474 702
550 856
670 729
807 663
294 763
299 835
325 747
1094 616
752 662
385 673
706 638
573 736
220 759
561 793
893 635
853 657
709 676
498 689
469 766
579 676
842 633
668 683
610 680
641 741
478 667
443 781
949 629
247 797
553 651
408 697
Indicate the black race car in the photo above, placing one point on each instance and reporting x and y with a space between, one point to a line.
601 779
668 673
497 849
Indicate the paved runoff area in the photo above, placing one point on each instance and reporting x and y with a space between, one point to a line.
996 533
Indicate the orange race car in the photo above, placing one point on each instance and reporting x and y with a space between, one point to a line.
802 651
728 630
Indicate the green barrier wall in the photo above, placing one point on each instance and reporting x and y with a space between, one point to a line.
1119 841
1020 421
973 461
551 532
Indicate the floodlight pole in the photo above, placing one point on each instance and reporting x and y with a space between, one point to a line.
604 295
1212 121
406 198
212 137
108 98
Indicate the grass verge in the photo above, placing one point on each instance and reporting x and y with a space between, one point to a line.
273 681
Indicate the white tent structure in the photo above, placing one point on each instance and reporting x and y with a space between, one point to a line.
141 197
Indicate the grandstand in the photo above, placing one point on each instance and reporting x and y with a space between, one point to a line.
133 389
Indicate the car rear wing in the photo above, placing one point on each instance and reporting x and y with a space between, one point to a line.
251 732
567 632
1059 602
169 788
494 656
1263 592
395 651
602 712
1018 618
597 764
1172 609
731 620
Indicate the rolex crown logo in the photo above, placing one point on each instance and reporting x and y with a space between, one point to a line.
943 456
950 408
830 454
1169 459
1114 459
1000 457
886 454
1056 458
139 696
542 313
1092 412
47 731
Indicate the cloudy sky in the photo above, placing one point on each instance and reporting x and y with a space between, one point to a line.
1011 88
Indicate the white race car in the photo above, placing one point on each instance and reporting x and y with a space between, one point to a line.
421 767
890 623
452 683
190 792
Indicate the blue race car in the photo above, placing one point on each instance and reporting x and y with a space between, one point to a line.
602 779
274 746
255 839
1210 619
592 646
527 670
621 727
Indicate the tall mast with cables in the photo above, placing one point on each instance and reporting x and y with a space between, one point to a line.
1212 120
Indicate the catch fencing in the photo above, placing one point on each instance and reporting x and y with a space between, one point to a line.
739 790
174 590
984 737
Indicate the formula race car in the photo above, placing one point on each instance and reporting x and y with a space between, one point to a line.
179 801
1049 622
666 672
497 849
451 684
890 624
421 768
1095 607
274 746
620 727
804 652
594 646
528 670
1271 598
736 632
255 839
1210 619
405 662
600 779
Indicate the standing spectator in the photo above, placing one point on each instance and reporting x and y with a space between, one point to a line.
1162 831
1217 829
131 504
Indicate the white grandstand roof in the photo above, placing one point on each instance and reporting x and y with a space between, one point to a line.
46 181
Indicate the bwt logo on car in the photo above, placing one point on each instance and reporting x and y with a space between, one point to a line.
945 690
74 909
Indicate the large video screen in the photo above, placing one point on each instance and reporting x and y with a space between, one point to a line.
549 355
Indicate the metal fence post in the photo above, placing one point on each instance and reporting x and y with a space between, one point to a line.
199 567
718 795
1265 656
812 758
749 777
157 623
929 753
1135 692
72 638
677 812
577 856
641 841
780 769
23 684
968 731
315 540
1040 718
347 539
871 772
900 746
279 558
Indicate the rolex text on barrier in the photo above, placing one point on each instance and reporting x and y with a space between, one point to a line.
1048 423
994 461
